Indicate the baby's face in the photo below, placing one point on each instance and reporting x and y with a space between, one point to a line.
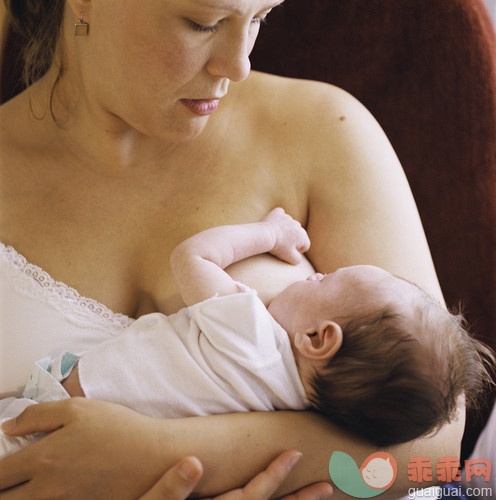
341 294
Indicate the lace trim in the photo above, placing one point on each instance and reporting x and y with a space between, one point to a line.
32 281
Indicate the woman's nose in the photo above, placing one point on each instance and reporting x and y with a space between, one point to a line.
231 58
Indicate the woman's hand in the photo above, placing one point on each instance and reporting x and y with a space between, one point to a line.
179 481
98 451
101 451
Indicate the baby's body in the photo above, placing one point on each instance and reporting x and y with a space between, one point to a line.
195 362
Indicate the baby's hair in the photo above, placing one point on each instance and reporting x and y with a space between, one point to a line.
399 375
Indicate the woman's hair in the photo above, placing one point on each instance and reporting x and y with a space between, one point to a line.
398 375
39 22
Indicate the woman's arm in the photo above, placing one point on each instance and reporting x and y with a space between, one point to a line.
244 441
134 451
361 209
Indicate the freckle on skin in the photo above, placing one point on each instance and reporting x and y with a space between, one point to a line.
342 118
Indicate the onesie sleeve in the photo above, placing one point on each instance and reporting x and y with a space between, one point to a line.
132 369
240 326
238 332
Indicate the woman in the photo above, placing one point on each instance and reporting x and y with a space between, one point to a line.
148 127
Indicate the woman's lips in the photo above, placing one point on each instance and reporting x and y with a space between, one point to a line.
201 107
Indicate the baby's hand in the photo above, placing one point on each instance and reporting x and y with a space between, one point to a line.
72 386
291 240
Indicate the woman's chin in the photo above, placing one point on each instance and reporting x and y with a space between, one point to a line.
184 130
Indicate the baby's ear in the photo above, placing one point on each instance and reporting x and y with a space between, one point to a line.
320 344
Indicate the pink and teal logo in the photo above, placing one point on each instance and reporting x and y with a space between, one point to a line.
375 476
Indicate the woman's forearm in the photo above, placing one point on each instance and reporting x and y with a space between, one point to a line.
134 451
245 443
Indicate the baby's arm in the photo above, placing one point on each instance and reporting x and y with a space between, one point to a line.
198 263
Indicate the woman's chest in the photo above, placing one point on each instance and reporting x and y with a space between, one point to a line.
111 240
187 208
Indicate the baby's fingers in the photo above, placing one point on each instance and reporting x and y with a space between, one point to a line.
292 256
304 243
292 249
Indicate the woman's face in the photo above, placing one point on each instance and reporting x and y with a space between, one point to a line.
162 66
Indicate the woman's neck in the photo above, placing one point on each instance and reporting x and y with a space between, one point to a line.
89 132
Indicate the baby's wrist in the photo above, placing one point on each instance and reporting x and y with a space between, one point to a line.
274 233
72 385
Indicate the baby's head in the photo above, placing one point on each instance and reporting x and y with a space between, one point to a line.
378 355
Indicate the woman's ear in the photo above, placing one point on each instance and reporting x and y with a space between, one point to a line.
320 345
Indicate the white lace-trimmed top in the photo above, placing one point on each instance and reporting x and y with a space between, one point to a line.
39 314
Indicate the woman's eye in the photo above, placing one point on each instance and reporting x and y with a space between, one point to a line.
203 29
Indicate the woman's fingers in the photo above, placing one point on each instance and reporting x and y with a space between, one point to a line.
36 418
14 469
265 484
178 482
51 467
317 491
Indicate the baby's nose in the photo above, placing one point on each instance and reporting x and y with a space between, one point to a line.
316 277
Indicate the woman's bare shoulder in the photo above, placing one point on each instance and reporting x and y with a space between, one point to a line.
298 96
283 94
323 114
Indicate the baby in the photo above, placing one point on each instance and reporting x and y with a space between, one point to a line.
371 351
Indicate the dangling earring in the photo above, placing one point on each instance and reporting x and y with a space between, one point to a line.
81 28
